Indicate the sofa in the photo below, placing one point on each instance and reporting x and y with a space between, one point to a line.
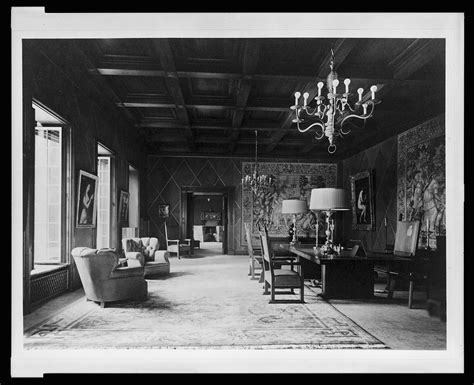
104 278
145 252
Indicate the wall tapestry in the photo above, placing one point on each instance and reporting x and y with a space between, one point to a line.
422 179
292 180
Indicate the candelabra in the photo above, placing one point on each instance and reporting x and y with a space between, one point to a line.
332 112
255 182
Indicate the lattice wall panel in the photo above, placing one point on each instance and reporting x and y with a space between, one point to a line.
165 178
49 285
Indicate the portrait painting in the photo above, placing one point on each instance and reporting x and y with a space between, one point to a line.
123 205
164 210
86 215
362 201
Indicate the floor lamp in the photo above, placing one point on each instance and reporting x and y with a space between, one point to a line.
294 207
329 200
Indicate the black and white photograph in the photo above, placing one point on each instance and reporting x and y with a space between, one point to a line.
206 139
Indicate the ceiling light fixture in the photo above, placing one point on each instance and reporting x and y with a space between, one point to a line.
256 182
330 113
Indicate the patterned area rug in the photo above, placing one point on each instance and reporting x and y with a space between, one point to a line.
205 303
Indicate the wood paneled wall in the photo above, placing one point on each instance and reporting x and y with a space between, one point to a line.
56 82
167 175
381 159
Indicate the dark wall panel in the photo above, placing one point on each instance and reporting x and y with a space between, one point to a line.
381 160
167 175
61 89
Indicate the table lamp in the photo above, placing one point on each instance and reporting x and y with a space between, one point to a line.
294 206
328 200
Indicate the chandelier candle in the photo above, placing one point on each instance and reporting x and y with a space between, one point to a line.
331 112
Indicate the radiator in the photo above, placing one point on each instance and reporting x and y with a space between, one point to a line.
49 285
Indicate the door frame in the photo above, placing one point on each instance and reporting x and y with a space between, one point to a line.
227 196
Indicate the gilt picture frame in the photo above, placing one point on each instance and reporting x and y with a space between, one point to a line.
123 206
164 210
362 201
86 212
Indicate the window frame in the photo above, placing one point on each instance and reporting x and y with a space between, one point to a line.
66 186
112 192
137 171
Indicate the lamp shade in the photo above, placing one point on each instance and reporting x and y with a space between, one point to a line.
328 199
294 206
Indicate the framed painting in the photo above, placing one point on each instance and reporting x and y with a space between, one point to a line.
123 206
164 210
86 215
363 217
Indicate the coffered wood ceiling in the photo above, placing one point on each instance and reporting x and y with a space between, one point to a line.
207 96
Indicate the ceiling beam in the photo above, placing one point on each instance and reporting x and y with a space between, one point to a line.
222 153
410 60
342 48
203 125
144 71
219 140
210 103
161 50
415 56
251 52
100 83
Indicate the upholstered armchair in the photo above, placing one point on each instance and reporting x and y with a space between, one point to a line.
144 252
104 279
178 246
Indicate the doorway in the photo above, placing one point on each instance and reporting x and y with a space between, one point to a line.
205 218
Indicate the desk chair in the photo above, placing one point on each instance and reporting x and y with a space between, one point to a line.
280 278
406 244
255 257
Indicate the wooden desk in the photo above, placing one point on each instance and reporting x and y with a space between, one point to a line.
346 277
311 269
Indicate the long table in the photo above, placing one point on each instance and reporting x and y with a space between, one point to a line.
344 276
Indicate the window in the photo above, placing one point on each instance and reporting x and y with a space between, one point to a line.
104 194
134 199
48 196
51 187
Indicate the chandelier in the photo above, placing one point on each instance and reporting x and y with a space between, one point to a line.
329 114
256 182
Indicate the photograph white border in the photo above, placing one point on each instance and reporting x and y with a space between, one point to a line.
33 22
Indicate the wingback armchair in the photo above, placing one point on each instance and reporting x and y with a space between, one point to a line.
145 252
104 279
